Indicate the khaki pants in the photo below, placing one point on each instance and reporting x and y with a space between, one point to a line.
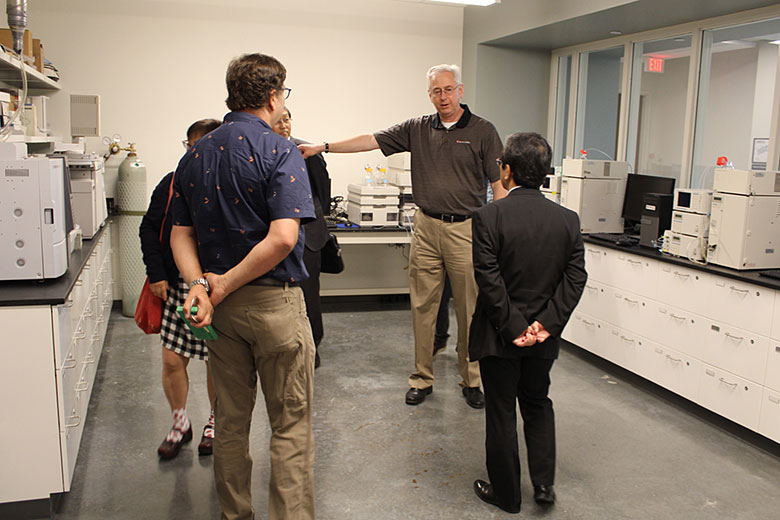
263 332
438 246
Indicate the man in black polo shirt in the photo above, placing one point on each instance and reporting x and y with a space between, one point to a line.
453 151
241 194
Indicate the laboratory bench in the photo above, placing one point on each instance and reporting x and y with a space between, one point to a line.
376 262
53 337
707 333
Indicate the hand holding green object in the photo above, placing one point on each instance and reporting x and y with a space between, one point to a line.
206 333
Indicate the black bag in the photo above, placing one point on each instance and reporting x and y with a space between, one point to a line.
332 262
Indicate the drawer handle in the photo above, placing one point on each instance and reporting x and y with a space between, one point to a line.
745 291
632 302
682 275
82 386
633 261
681 318
71 423
735 338
80 334
588 323
774 399
69 302
79 282
627 340
102 319
727 383
591 288
670 358
88 313
593 251
89 359
67 364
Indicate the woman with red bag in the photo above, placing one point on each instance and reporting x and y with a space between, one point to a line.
179 345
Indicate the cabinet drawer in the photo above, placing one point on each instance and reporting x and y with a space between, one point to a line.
742 305
596 263
586 332
632 352
634 273
730 396
769 424
772 378
676 328
596 300
63 331
683 288
70 441
677 372
776 319
740 352
631 312
67 376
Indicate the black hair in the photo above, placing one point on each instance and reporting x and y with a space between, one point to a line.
528 156
250 80
202 127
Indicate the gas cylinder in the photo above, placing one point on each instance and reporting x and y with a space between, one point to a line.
132 202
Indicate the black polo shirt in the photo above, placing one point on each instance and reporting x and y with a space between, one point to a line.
449 166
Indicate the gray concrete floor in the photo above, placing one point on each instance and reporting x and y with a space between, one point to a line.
624 451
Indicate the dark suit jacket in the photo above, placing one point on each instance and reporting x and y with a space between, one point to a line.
317 230
529 263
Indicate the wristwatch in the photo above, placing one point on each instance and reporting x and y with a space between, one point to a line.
203 282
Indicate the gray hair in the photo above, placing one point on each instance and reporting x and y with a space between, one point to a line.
453 69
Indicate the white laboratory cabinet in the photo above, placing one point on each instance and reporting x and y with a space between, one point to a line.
711 338
48 362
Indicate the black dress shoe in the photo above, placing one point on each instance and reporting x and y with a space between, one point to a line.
439 345
416 396
474 397
544 495
485 492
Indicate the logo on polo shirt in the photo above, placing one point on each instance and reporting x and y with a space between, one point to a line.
460 141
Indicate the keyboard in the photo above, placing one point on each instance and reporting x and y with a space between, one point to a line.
618 239
771 273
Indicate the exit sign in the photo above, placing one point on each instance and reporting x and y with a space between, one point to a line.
654 64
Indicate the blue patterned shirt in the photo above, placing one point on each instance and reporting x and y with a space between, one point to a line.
232 184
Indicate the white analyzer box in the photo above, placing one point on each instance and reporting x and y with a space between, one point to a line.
598 202
693 201
744 231
746 182
593 169
685 246
692 224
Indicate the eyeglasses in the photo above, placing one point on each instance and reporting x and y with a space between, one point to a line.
186 144
499 162
286 92
446 91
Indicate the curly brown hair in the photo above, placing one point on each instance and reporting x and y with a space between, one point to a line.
250 80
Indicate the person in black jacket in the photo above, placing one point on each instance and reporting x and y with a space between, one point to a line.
529 263
316 231
179 345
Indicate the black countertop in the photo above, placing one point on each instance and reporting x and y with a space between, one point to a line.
358 229
49 292
750 276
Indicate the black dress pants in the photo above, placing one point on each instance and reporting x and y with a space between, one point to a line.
527 380
311 292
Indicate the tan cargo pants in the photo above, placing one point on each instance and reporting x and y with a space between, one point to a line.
264 332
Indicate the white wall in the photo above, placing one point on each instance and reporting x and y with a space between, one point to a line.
355 66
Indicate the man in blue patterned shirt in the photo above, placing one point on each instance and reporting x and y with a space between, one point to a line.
240 197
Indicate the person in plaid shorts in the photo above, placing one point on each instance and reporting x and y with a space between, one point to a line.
179 344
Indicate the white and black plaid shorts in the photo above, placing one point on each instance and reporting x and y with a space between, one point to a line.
175 334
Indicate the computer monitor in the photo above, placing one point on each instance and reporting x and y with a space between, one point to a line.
636 187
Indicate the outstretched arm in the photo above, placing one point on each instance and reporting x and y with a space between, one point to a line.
359 143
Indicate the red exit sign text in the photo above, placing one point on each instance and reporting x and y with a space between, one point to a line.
655 64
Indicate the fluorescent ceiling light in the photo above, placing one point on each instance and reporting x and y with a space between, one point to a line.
467 2
776 42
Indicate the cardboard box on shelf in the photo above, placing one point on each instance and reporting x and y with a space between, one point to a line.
38 54
7 40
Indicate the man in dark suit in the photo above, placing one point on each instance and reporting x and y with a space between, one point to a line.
316 231
530 268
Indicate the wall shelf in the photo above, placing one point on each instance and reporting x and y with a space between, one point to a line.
9 74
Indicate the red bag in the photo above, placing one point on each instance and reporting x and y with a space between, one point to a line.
148 311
